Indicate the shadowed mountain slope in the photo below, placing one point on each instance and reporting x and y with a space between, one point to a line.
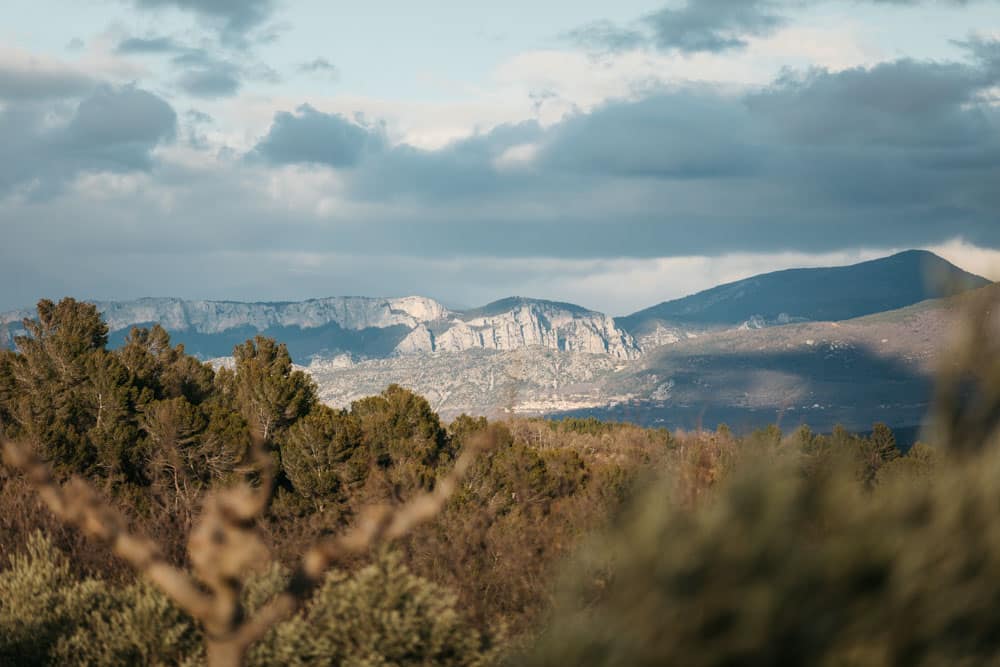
821 294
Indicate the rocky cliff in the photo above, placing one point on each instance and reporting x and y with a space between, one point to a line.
366 327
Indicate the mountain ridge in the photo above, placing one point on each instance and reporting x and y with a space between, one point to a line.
809 294
382 327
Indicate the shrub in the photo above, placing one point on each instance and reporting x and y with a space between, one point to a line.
381 615
47 617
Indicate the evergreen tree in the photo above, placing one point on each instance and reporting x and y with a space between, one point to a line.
8 393
270 394
322 453
400 426
883 442
54 406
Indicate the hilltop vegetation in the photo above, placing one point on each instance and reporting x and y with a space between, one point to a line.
690 549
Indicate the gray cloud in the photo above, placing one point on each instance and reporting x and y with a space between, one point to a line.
233 18
683 134
20 84
906 103
155 44
712 25
706 25
901 154
217 79
200 73
900 150
607 36
698 25
113 129
311 136
320 66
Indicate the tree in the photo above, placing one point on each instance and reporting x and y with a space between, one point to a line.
114 435
271 395
883 442
400 427
322 453
54 406
162 371
8 392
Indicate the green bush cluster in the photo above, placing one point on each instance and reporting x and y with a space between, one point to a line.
49 617
379 615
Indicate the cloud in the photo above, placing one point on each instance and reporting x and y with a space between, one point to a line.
901 154
696 26
210 80
320 66
903 149
712 25
605 35
200 72
155 44
684 134
233 18
113 129
706 26
907 103
311 136
25 78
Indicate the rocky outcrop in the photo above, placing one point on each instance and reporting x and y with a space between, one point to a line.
546 324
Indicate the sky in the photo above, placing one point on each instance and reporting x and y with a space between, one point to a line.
609 154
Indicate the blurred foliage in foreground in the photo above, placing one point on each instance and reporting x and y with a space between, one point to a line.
688 549
797 559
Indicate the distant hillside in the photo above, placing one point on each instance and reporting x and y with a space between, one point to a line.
798 295
854 372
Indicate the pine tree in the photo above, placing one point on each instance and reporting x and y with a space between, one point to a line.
883 442
271 395
322 453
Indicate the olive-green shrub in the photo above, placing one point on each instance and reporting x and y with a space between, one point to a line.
381 615
47 617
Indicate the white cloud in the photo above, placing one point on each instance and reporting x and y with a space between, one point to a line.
981 261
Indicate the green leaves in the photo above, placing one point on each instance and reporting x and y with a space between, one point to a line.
322 454
270 394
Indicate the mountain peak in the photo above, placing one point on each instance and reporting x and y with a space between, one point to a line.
510 303
834 293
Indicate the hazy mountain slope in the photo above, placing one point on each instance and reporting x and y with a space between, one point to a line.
874 368
823 294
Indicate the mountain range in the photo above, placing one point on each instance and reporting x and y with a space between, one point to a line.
686 362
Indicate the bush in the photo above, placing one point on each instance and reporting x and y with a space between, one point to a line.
380 615
47 617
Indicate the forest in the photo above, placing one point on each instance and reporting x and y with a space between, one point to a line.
155 510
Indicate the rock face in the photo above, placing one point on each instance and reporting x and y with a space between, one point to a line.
208 317
515 323
366 327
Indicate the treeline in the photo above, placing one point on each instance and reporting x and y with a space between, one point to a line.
691 549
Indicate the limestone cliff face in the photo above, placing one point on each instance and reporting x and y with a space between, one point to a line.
354 313
527 323
415 325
